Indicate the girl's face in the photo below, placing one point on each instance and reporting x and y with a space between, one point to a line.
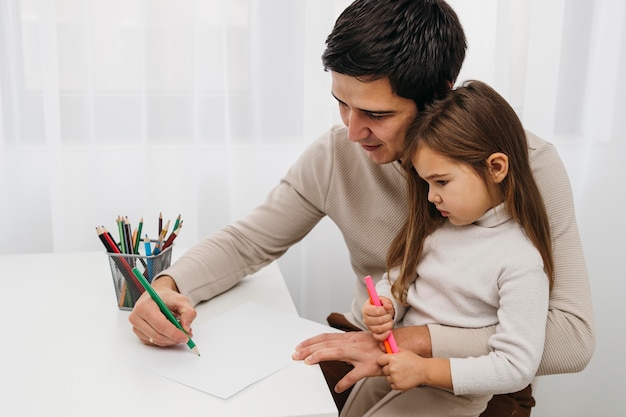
457 191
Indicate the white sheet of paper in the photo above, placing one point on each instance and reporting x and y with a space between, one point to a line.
238 348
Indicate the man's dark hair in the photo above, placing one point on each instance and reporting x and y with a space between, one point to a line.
419 45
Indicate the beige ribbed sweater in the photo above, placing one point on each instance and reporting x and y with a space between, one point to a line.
335 178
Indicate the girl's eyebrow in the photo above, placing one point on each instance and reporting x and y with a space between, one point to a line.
434 176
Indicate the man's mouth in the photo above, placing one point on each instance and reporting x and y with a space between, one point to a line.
369 148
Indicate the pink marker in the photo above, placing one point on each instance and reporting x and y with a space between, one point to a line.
390 343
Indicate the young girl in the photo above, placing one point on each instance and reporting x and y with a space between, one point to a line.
474 253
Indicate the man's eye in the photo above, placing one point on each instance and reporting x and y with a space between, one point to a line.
376 116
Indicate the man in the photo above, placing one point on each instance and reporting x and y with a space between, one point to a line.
388 59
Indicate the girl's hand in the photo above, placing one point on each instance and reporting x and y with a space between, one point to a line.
379 319
405 370
402 370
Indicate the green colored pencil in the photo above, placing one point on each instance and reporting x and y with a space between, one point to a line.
139 228
120 229
176 223
163 307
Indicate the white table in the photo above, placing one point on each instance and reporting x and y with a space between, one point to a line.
65 346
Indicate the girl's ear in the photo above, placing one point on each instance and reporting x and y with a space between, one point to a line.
498 165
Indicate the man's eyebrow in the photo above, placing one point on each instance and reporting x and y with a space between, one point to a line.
378 112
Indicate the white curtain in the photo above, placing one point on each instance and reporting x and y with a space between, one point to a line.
198 107
136 107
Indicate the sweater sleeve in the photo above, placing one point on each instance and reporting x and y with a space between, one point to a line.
570 335
517 345
383 288
290 211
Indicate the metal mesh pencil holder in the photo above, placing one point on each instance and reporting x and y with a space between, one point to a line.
127 286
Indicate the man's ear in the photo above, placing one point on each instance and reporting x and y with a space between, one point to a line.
498 165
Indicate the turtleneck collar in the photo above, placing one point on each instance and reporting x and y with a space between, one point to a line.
493 217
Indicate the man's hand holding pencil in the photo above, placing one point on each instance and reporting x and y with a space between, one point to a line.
149 323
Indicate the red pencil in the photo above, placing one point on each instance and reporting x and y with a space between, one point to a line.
120 261
172 236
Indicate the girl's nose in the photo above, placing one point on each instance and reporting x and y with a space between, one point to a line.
433 197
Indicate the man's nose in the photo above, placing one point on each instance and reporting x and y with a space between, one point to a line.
358 128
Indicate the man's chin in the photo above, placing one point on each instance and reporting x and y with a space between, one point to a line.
380 159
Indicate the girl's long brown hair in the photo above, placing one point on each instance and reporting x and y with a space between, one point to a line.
467 126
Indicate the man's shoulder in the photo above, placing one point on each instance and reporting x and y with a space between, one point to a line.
330 155
334 137
535 142
542 153
334 145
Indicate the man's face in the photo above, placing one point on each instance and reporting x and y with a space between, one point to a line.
377 118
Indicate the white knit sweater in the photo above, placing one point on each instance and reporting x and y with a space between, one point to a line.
479 275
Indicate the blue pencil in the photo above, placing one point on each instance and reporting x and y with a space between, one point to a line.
146 243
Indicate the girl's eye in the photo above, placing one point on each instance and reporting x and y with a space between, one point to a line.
442 182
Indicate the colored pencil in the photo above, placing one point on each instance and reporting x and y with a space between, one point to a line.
122 264
172 236
120 230
128 236
146 243
159 244
390 343
100 233
109 238
176 223
134 241
138 236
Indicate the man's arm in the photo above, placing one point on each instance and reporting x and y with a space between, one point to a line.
292 208
218 262
570 334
